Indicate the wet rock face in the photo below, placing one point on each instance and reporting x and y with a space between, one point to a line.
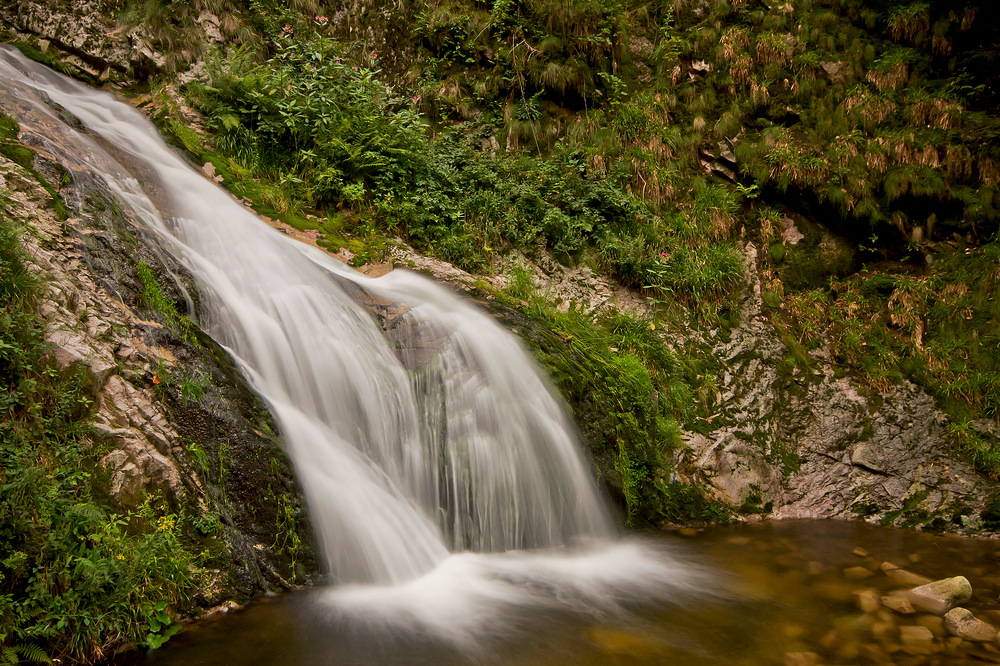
173 417
224 438
815 445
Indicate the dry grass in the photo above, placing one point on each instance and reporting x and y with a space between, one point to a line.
958 162
936 112
907 23
989 172
891 78
740 69
734 42
873 109
759 93
772 49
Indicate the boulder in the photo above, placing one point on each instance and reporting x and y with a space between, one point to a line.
940 596
962 623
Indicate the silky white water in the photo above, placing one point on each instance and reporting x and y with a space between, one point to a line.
418 441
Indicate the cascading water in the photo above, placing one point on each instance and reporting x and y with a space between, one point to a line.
429 435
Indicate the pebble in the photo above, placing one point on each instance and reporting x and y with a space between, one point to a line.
860 552
884 629
898 602
868 600
932 622
801 659
848 651
830 639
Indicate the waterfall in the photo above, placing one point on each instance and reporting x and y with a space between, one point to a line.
424 439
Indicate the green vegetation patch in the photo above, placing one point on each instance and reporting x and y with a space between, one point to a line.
627 391
77 581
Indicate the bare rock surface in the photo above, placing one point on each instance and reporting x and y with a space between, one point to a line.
807 443
88 332
83 36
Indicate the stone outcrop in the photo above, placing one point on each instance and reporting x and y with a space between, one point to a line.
84 36
804 443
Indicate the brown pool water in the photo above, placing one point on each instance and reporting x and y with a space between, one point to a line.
781 593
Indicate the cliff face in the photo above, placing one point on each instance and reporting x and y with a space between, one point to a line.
796 440
84 37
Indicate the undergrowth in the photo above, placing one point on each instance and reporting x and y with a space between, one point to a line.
77 580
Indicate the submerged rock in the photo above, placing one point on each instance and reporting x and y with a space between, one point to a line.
903 577
857 573
916 639
899 603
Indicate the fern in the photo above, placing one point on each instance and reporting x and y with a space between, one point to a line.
22 652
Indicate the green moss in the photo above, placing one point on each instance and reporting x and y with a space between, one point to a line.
754 503
878 285
991 513
681 503
15 151
10 147
34 53
776 252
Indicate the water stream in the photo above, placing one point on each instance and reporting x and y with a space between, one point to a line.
444 479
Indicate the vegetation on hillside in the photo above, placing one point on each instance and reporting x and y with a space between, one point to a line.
648 140
77 580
